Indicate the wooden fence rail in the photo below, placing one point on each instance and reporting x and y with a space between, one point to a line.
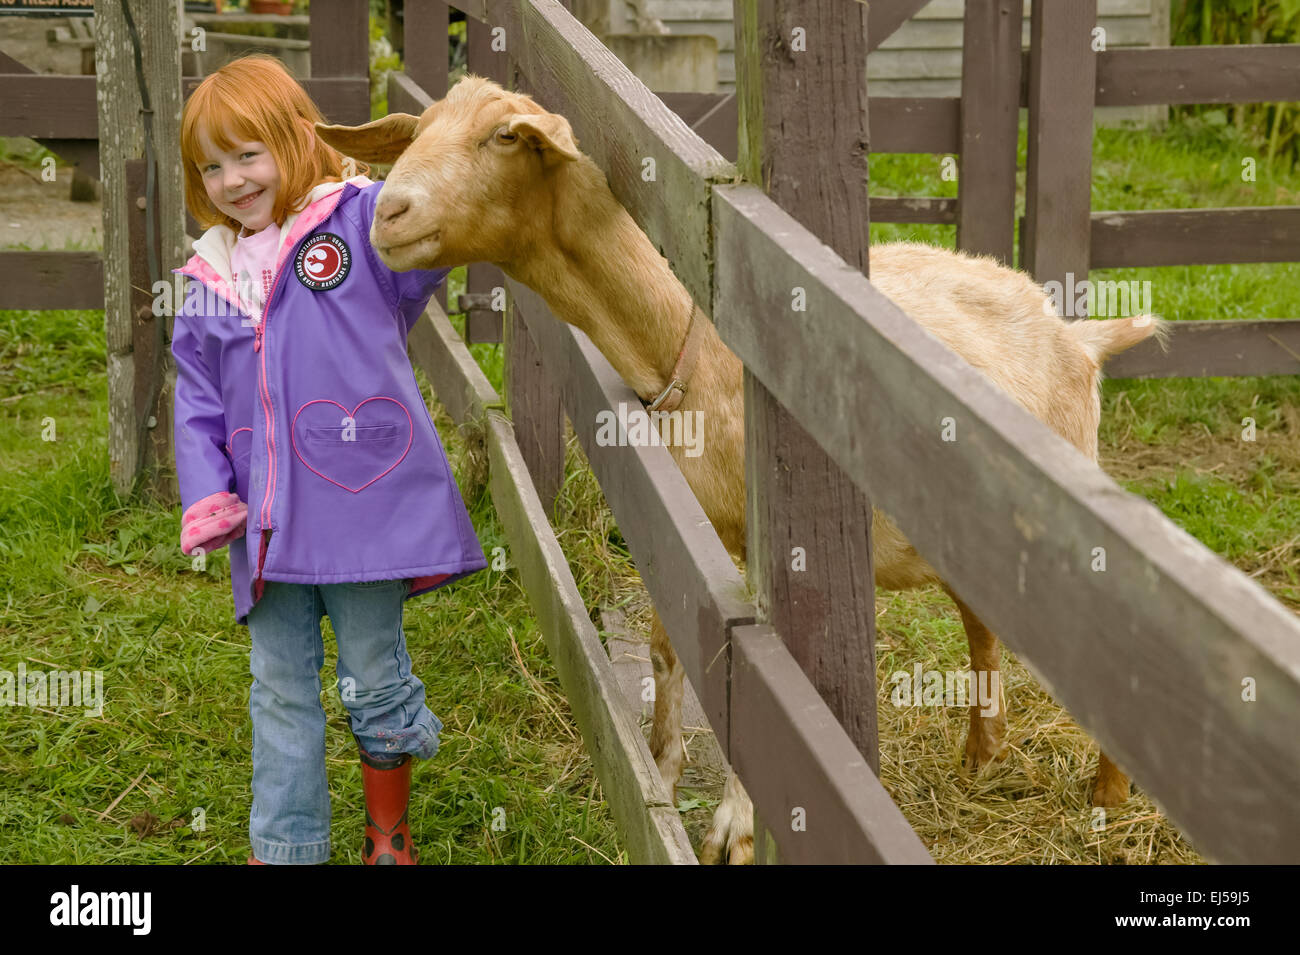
637 796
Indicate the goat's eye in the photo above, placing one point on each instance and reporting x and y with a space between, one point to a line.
505 137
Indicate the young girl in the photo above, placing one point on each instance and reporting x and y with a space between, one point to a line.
303 441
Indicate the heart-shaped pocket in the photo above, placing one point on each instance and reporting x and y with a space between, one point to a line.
238 447
352 449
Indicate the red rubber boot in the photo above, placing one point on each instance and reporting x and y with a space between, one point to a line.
388 788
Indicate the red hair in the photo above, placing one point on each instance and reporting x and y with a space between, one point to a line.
255 99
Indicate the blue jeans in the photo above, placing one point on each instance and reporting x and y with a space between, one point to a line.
290 819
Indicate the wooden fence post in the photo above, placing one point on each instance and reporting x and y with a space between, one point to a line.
426 60
137 366
536 408
535 400
339 31
489 56
1058 174
802 84
990 122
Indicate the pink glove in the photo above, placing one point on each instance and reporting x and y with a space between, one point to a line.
213 522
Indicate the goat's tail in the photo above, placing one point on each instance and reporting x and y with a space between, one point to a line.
1102 338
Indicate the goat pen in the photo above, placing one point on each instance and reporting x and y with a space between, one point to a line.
1151 656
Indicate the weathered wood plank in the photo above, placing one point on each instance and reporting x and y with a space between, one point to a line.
1199 74
1199 349
629 655
42 105
793 754
638 799
952 9
920 35
932 209
990 118
696 588
1058 165
1149 654
886 16
81 153
149 353
691 106
1195 236
720 126
808 526
339 31
915 124
52 280
407 96
426 58
657 167
455 376
536 409
119 109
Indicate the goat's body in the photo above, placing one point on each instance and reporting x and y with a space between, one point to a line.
993 316
489 175
1002 323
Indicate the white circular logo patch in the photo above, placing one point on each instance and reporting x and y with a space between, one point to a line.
322 262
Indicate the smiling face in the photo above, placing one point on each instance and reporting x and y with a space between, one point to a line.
241 182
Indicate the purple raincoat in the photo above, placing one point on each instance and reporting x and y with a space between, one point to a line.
313 416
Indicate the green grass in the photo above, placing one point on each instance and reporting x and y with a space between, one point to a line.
96 582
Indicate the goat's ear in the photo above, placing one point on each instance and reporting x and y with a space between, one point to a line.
549 134
380 141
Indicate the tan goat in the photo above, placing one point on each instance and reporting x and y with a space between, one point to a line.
491 176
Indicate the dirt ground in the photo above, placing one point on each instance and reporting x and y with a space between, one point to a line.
39 215
25 39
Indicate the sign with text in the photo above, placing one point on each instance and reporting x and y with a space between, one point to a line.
83 8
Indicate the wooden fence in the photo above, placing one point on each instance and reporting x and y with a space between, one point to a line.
1151 656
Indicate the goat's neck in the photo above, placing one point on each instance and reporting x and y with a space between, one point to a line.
598 271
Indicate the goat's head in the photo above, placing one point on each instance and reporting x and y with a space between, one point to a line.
468 176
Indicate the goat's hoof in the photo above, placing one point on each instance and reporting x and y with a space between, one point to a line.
739 848
1110 792
711 850
981 751
742 851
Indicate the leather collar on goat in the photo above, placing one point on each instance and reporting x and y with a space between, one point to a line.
674 392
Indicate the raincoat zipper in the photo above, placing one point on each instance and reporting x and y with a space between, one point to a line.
269 497
265 395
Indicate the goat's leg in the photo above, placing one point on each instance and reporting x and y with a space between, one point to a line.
732 829
1111 787
984 742
666 732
